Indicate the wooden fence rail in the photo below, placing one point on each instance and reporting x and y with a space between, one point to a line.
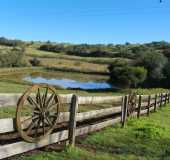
104 117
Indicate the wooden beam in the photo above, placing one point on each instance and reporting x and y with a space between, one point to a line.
98 100
21 147
161 100
124 110
7 124
168 97
139 106
148 106
155 104
11 99
98 126
72 120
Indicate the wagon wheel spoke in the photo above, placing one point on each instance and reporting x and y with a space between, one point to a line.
51 106
30 118
33 103
38 98
43 126
49 99
45 96
37 127
30 127
49 122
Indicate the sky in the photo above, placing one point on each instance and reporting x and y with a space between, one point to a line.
86 21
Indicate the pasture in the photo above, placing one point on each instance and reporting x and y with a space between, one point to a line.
135 141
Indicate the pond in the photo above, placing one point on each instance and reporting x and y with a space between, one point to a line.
69 83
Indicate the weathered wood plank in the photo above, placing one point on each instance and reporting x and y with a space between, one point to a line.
139 106
149 105
98 126
124 110
97 100
73 120
7 124
10 99
21 147
155 104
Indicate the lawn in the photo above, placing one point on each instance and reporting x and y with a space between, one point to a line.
145 139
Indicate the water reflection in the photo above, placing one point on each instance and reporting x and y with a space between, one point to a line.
69 83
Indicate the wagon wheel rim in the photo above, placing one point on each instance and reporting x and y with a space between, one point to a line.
44 113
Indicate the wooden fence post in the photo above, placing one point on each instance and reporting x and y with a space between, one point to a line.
124 110
72 120
149 103
165 99
139 106
161 100
168 97
155 103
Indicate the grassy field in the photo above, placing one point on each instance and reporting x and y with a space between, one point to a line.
145 139
34 52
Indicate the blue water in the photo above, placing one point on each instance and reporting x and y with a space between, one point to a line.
69 83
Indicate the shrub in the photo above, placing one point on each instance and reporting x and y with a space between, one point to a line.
154 62
125 75
35 62
13 43
12 58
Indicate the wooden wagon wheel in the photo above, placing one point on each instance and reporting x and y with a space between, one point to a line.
37 112
132 100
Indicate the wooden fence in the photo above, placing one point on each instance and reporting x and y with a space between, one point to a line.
101 118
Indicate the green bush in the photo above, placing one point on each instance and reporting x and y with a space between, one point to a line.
125 75
35 62
12 58
154 62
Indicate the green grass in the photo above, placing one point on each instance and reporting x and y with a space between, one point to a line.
69 154
145 139
7 87
44 54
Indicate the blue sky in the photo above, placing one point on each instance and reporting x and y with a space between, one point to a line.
86 21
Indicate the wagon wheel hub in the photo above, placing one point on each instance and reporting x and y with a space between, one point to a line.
43 112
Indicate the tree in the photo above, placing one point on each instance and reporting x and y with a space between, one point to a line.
154 62
125 75
166 72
